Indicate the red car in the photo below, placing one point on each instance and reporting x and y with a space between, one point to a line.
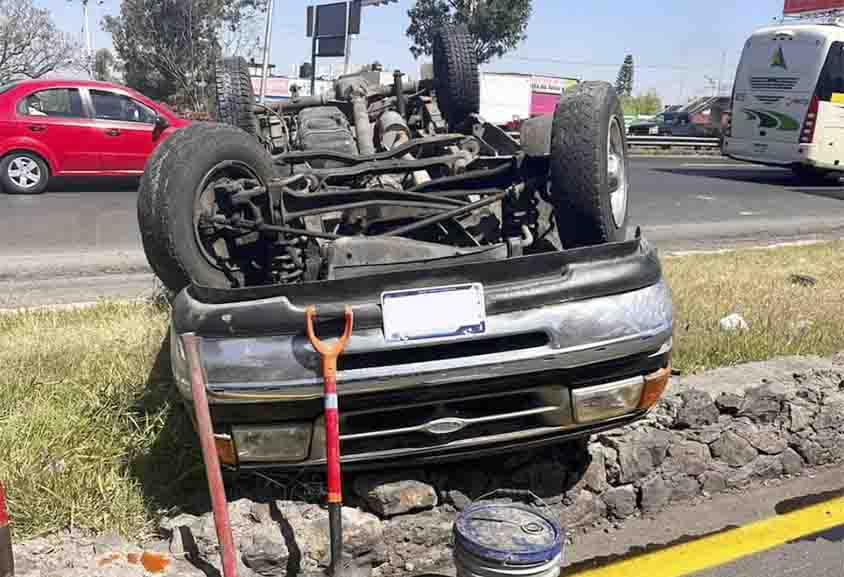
76 128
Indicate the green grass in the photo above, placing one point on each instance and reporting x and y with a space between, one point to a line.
757 285
92 434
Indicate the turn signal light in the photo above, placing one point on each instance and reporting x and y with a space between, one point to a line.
225 449
655 384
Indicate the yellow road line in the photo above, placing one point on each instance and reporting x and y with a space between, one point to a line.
722 548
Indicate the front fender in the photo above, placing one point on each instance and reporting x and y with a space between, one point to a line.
32 145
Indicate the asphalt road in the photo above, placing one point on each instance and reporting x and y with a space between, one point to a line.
80 241
818 554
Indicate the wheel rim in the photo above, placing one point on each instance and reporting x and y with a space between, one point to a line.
24 172
617 172
216 249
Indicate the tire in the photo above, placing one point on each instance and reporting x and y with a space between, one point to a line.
169 194
456 77
24 172
235 99
589 191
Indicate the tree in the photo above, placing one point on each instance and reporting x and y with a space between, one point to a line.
30 44
647 103
169 46
104 65
624 81
496 26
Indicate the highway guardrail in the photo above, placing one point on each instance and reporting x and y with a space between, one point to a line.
673 141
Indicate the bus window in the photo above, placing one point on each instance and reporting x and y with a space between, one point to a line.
832 75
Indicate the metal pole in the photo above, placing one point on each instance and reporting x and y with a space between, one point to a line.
7 559
268 34
87 29
721 70
348 48
313 52
205 431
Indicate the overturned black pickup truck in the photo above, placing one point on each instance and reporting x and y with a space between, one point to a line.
499 300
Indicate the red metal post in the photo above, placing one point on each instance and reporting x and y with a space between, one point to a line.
7 560
205 431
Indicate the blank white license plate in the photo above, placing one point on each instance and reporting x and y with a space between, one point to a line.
434 312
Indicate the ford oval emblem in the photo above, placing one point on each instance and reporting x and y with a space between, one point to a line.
444 426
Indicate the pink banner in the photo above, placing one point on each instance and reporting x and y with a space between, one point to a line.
802 6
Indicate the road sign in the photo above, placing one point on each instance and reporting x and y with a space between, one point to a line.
805 6
331 19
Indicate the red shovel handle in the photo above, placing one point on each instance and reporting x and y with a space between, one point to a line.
329 354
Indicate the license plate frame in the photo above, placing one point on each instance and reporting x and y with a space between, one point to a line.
408 314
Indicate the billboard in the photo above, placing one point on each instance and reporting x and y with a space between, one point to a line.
804 6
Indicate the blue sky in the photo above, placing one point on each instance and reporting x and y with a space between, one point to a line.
676 43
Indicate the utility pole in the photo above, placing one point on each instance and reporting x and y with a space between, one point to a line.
348 49
268 33
721 70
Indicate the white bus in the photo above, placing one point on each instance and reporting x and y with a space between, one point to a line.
788 100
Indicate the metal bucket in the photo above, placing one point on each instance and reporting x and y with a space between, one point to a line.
507 540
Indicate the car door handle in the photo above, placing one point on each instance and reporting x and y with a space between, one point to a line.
112 132
37 127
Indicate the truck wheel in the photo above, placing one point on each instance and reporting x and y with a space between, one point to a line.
235 99
177 196
456 77
589 175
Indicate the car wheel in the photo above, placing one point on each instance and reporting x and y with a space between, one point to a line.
235 99
589 177
456 77
173 209
24 173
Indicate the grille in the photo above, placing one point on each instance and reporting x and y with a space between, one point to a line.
432 424
441 352
769 99
773 83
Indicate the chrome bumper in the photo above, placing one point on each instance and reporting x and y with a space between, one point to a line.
514 386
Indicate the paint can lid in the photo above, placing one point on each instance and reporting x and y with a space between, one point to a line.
508 533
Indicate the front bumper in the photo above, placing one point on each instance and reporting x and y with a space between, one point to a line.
579 319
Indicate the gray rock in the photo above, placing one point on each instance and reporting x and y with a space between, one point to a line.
698 409
729 403
395 498
621 501
457 499
733 323
639 453
831 415
109 543
762 404
687 457
740 477
838 359
811 452
595 477
655 494
792 463
713 482
767 467
708 434
585 510
799 417
764 440
267 554
733 450
684 488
